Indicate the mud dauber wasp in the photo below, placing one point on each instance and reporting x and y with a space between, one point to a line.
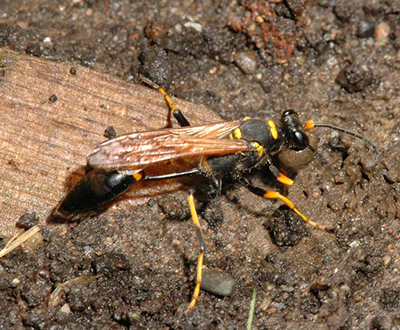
218 151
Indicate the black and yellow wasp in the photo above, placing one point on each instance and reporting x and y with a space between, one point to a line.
217 151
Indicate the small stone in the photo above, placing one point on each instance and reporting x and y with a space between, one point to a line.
15 282
194 25
386 260
28 220
110 132
176 243
53 98
345 288
218 283
316 195
246 61
265 304
62 232
65 309
108 241
355 78
365 29
382 32
213 70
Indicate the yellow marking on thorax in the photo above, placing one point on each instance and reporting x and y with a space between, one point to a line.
238 133
273 130
259 148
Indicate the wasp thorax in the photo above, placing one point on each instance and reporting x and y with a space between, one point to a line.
262 132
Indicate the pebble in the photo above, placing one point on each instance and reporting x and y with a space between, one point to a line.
265 304
62 232
218 283
194 25
382 32
65 309
246 61
365 29
28 220
15 282
386 260
176 243
345 288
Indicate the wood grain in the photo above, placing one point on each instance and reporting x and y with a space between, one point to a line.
51 118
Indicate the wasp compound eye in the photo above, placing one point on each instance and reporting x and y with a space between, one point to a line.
296 138
300 140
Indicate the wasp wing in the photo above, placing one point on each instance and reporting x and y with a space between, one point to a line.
138 150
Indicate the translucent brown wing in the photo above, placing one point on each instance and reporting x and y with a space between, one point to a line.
138 150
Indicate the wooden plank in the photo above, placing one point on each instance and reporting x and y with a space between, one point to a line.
50 118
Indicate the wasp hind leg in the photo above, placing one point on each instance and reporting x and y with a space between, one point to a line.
202 250
268 194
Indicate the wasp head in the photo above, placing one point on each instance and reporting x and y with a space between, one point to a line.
295 137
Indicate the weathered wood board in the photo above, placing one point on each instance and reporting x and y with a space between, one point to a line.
51 115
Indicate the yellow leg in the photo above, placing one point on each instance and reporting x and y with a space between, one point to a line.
181 119
170 103
284 179
196 222
280 177
276 195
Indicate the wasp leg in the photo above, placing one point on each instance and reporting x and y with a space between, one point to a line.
215 186
180 118
202 250
280 177
276 195
172 175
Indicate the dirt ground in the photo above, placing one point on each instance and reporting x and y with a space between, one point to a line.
333 61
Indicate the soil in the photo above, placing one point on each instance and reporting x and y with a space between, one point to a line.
333 61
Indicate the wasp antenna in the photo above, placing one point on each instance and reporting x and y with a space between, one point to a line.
311 124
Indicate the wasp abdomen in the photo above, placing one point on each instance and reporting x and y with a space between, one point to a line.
96 188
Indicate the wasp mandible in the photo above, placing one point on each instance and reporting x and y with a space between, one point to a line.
217 151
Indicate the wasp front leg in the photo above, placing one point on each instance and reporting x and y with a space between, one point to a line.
268 194
280 177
